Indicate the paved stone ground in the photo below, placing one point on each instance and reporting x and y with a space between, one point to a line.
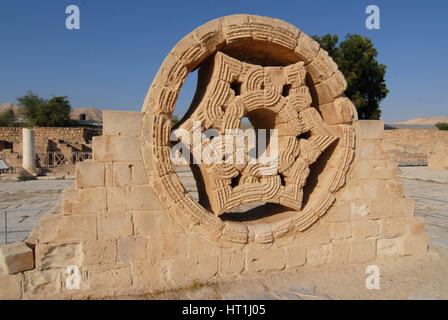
429 188
25 202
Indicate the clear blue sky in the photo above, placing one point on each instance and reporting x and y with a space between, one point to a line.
110 62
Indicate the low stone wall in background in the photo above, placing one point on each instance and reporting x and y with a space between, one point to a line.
414 145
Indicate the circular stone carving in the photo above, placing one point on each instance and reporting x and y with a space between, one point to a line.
270 72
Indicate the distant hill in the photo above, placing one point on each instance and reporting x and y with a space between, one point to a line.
426 121
91 114
11 106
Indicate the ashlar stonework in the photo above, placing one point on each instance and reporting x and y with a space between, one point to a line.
129 226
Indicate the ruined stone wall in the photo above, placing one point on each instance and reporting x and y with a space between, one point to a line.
415 140
42 135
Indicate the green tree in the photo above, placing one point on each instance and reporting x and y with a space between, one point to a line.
41 112
442 125
7 119
356 59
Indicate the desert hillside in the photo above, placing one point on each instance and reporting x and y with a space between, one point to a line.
11 106
424 121
91 114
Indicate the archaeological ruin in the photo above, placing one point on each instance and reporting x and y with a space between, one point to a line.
128 225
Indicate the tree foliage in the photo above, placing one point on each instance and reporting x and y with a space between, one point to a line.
40 112
356 59
7 119
442 125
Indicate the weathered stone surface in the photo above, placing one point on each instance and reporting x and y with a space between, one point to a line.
89 174
117 278
100 252
414 245
84 201
10 286
362 251
122 123
371 129
16 257
143 198
112 226
339 252
232 263
113 148
132 249
295 256
387 247
340 230
317 255
365 229
59 228
259 259
59 255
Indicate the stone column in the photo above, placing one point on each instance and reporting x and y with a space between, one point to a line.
28 153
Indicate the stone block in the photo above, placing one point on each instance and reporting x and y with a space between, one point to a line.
183 270
362 250
232 263
414 245
174 246
10 286
387 247
155 223
198 246
100 252
110 279
116 200
132 249
149 276
129 173
262 259
113 226
320 234
371 129
42 283
339 252
59 228
376 169
113 148
365 229
84 201
207 267
371 150
340 230
143 198
317 255
58 255
89 174
16 257
122 123
394 227
295 256
340 213
338 112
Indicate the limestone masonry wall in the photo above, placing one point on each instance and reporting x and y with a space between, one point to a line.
418 140
71 135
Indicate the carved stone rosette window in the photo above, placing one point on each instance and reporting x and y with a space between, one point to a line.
270 72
